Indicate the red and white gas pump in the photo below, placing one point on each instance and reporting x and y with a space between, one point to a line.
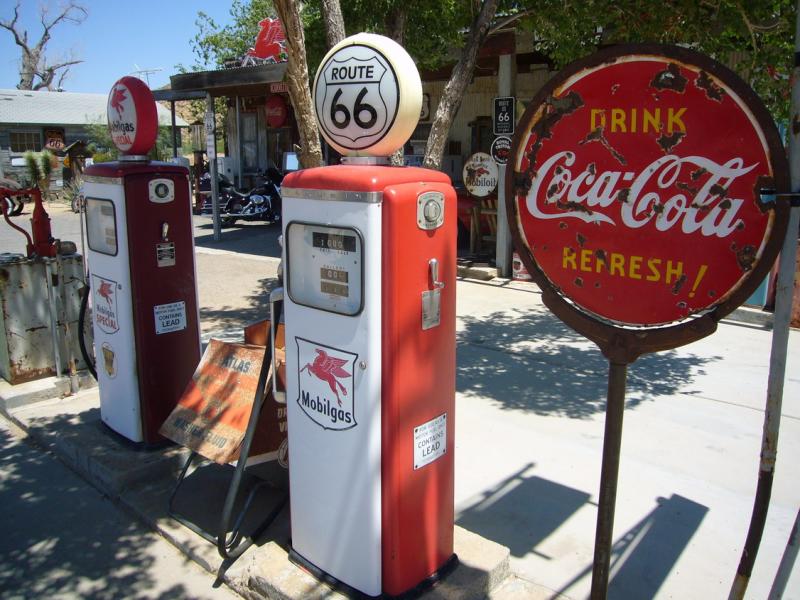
369 305
141 259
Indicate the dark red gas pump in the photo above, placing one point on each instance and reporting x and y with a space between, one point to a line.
141 260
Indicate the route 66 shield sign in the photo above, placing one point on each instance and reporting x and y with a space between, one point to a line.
356 98
367 96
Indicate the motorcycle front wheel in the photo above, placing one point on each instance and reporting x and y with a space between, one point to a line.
228 221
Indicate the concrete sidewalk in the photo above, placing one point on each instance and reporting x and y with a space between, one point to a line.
529 428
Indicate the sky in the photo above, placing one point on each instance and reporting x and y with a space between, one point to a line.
116 39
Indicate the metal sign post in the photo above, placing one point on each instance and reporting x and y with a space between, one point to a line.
636 177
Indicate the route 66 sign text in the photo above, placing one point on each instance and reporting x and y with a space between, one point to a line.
367 96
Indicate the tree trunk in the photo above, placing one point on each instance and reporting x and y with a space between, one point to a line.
334 22
297 79
395 27
457 85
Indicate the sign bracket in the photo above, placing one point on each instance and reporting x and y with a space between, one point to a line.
232 546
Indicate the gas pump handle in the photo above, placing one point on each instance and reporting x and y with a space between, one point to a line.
275 313
433 265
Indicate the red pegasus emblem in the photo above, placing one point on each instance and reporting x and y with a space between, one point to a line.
117 98
106 290
270 41
474 173
328 369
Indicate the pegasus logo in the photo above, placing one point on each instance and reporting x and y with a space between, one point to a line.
328 369
117 98
326 384
270 42
106 291
105 312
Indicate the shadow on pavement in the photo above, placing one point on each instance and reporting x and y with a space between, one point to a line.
247 238
251 309
644 556
531 361
200 500
65 542
522 511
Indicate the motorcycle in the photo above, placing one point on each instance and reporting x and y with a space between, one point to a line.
262 203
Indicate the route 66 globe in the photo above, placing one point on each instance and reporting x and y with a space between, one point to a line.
367 96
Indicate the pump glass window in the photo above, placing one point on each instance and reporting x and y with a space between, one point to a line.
101 226
325 266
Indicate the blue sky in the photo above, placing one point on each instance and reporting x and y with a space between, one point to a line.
116 36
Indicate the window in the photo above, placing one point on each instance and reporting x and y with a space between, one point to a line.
249 133
22 141
101 226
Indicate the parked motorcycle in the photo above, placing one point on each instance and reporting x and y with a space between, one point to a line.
262 203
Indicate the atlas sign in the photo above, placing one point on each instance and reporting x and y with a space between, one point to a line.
637 177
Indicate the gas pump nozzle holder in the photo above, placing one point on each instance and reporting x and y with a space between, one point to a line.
370 387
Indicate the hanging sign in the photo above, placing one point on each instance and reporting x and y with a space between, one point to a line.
132 116
276 111
500 150
636 176
480 175
367 96
504 115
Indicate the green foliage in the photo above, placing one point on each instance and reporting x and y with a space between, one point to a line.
104 150
754 38
213 44
40 166
433 31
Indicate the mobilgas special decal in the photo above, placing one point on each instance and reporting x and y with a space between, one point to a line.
325 384
105 304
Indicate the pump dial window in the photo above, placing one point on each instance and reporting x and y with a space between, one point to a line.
325 266
101 226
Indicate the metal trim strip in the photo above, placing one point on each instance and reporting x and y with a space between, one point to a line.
106 180
333 195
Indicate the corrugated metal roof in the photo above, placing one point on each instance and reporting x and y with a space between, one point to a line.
25 107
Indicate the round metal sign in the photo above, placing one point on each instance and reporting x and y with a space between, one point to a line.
132 116
501 148
636 177
480 175
367 96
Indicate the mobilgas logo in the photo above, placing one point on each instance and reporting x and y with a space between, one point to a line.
325 385
105 304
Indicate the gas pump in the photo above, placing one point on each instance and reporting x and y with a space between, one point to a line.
369 305
141 258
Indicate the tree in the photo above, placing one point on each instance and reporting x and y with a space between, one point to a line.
213 45
755 38
454 90
310 154
35 71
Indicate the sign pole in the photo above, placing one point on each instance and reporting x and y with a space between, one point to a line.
777 367
612 443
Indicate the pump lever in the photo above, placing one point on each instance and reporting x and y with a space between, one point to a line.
433 266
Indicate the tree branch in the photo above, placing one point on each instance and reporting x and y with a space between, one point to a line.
12 27
505 22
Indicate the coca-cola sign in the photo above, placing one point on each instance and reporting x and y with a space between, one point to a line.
637 177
